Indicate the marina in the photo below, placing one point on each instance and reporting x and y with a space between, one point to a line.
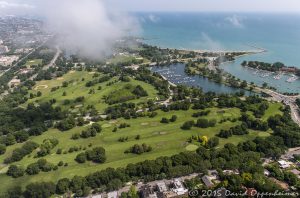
175 74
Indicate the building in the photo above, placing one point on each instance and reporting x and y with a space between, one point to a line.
178 188
14 82
295 172
113 194
206 180
25 71
231 172
161 186
266 172
284 164
3 49
8 60
147 192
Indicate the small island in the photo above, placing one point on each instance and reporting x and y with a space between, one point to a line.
275 67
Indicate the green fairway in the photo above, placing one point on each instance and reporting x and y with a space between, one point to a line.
165 139
76 88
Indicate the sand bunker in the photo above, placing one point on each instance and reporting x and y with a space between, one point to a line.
144 123
41 87
71 72
60 78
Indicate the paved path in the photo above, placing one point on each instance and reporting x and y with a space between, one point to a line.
51 64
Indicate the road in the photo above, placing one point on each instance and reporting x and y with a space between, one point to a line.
16 64
52 62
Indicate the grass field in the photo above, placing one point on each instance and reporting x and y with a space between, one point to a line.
30 63
166 139
77 88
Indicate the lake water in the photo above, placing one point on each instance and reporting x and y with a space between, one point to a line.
278 33
175 74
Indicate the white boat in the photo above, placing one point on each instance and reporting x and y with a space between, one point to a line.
292 79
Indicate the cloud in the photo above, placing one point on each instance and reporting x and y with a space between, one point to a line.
209 43
88 27
6 5
153 18
235 20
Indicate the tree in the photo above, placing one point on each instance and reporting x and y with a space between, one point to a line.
40 190
265 85
213 142
21 136
14 192
80 158
39 94
204 140
10 140
98 155
62 186
33 169
15 171
2 149
164 120
173 118
132 193
114 184
187 125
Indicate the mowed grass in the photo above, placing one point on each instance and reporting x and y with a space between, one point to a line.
30 63
166 139
77 88
274 108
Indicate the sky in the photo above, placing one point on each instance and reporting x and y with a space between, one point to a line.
92 26
20 6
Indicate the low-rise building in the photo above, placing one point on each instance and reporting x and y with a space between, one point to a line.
3 49
14 82
178 188
161 186
8 60
296 172
206 180
266 172
113 194
284 164
147 192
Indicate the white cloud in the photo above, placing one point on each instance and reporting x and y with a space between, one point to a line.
209 43
153 18
235 20
9 5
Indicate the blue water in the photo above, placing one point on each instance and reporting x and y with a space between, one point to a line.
175 73
278 33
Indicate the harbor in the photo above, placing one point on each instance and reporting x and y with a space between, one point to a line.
175 74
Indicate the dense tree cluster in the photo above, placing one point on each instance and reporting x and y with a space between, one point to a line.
102 79
96 155
205 123
201 113
237 130
15 119
47 146
19 153
264 66
40 165
139 149
90 132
